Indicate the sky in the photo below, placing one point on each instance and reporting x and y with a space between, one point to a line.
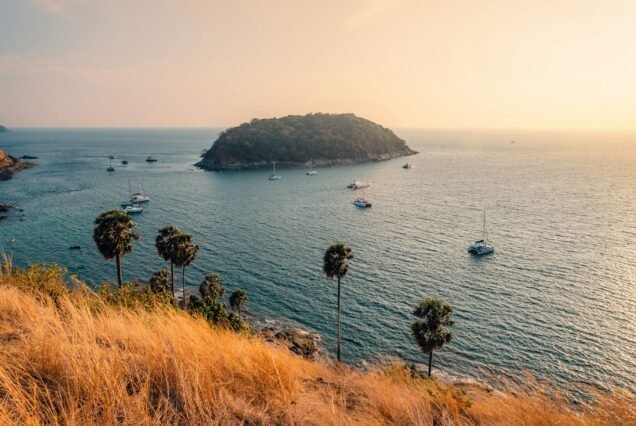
553 64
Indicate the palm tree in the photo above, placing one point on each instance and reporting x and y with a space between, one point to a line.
335 264
431 331
212 288
113 235
165 243
185 253
160 282
237 300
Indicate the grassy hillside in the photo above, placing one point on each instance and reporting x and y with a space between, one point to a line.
296 139
78 357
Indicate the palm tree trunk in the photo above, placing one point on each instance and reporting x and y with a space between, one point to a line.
118 263
183 285
172 277
239 310
430 362
338 318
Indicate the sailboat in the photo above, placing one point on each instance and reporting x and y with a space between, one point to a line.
274 176
311 171
362 202
131 207
110 166
481 247
139 197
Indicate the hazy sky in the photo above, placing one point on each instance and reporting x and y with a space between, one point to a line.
482 63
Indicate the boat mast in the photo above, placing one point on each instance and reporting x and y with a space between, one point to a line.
129 189
484 235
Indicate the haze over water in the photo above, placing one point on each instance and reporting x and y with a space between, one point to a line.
558 297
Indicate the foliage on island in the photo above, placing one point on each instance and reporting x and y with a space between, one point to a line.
297 139
2 129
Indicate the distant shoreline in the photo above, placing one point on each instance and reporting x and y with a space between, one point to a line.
215 166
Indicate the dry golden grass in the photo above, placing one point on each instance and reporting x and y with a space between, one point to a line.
68 357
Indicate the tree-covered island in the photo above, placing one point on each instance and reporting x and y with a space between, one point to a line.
295 140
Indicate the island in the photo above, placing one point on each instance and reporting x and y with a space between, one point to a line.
318 140
3 129
10 165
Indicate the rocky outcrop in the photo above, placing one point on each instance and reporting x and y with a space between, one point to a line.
10 165
216 166
292 141
297 340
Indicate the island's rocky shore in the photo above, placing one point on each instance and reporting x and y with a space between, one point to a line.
10 165
231 165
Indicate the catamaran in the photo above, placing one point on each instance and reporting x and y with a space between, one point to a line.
311 171
362 202
481 247
138 197
274 176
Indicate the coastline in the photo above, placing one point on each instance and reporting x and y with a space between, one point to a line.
10 165
220 166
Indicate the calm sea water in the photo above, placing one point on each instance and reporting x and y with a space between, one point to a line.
558 298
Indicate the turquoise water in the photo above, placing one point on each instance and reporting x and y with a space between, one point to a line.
557 298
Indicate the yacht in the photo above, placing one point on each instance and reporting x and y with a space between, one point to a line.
274 176
124 161
151 159
360 184
138 197
481 247
133 209
311 171
112 157
362 202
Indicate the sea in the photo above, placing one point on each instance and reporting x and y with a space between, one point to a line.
557 299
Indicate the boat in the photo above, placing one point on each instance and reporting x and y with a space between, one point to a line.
74 247
112 157
481 247
133 209
110 167
311 171
360 184
124 161
274 176
407 166
138 197
151 159
362 202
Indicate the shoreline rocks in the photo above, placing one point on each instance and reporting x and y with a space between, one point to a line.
10 165
216 166
297 340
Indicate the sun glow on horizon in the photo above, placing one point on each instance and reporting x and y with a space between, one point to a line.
501 64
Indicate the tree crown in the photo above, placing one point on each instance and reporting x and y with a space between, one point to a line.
432 330
114 233
335 260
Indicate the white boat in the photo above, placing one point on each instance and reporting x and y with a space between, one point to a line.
311 171
274 176
360 184
138 197
481 247
133 209
362 202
